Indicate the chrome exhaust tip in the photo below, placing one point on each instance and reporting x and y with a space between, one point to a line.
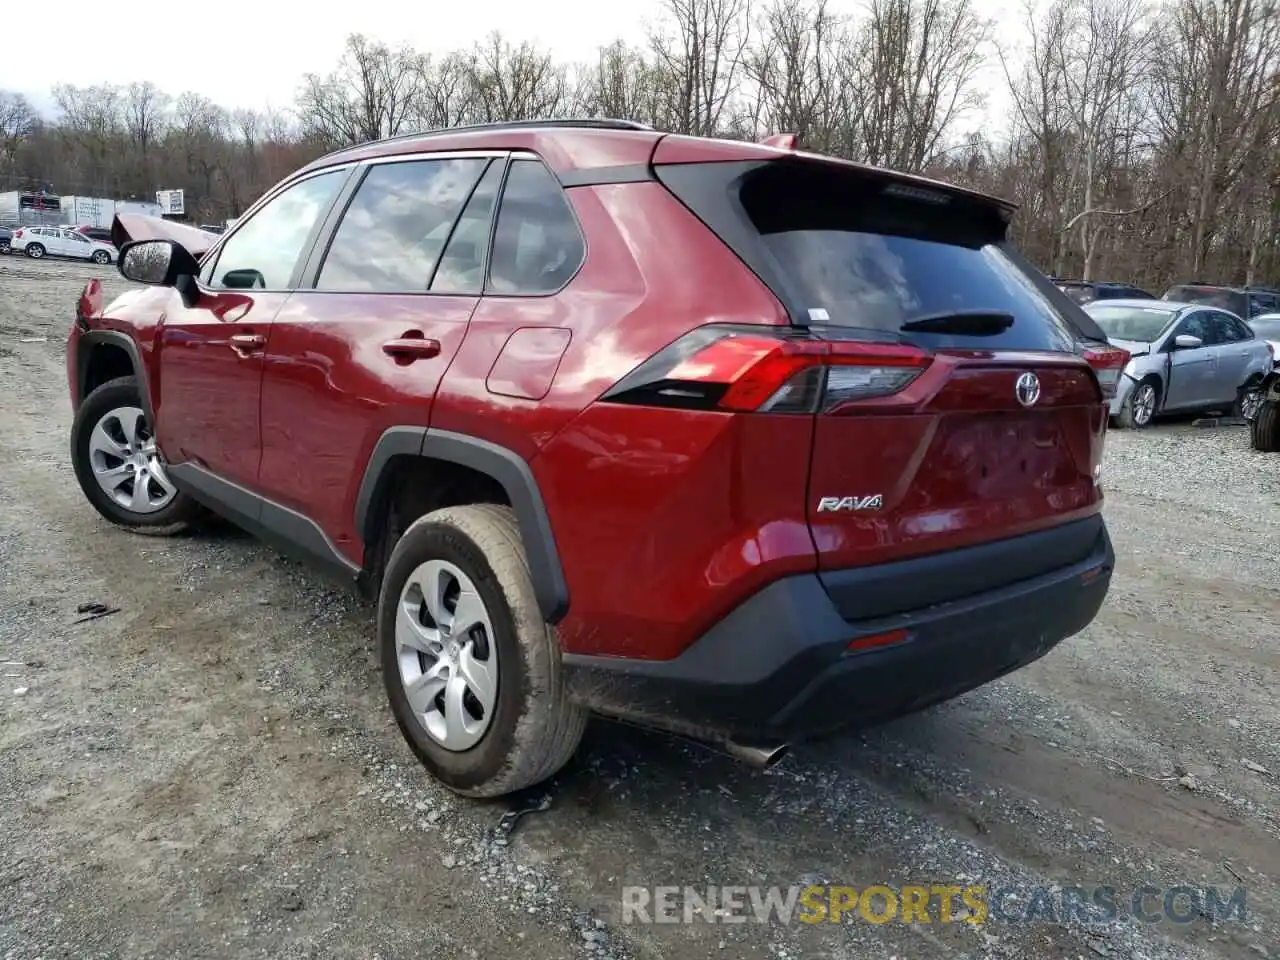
757 757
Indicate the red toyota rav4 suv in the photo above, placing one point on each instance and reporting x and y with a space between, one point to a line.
737 441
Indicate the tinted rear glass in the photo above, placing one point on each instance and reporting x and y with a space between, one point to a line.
1231 300
1141 324
865 259
1078 292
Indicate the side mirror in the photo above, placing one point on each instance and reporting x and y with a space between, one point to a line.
157 263
1185 341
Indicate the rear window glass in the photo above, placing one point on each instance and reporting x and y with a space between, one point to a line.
1078 293
1230 300
861 259
1140 324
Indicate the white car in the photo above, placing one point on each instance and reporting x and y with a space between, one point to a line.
37 242
1267 326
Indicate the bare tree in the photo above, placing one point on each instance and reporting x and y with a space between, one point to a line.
515 82
18 122
373 93
790 68
911 75
699 49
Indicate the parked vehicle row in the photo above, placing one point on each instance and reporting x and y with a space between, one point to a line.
1182 357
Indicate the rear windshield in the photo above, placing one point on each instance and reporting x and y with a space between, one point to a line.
1140 324
1232 300
1078 292
862 258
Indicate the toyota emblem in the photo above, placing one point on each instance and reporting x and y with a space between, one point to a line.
1027 389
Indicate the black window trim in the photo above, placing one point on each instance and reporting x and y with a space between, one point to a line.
210 260
497 212
314 261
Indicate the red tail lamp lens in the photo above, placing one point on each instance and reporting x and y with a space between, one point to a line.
1107 363
758 369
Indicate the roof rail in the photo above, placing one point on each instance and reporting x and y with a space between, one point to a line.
582 123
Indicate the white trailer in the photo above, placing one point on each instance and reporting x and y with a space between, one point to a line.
88 211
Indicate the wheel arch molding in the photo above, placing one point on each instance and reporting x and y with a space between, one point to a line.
90 341
507 468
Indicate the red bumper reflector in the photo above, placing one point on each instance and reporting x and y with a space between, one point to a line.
1089 576
877 640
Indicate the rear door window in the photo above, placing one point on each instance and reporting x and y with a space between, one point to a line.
461 268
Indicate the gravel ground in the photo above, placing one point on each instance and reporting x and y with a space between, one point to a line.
212 771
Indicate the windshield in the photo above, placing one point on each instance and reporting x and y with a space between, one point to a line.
1268 328
1140 324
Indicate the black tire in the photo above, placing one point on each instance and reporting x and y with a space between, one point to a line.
101 256
1264 430
1126 417
535 728
173 518
35 250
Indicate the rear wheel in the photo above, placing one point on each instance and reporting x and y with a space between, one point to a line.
1264 430
472 671
1139 408
35 251
118 466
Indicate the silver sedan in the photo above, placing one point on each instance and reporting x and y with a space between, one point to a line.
1183 357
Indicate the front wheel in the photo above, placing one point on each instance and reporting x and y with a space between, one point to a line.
101 256
471 669
119 468
1139 408
35 251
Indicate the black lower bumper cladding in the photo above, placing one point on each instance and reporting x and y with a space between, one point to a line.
780 668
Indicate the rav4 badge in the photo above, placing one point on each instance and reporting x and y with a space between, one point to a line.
837 504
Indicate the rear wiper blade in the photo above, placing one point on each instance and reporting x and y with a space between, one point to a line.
973 323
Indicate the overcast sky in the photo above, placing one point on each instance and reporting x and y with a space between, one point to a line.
253 53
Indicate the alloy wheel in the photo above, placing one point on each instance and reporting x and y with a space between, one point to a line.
447 655
126 463
1250 404
1144 404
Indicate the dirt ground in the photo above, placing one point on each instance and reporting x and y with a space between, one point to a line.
213 772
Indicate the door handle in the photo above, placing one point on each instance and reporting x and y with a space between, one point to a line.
408 349
246 343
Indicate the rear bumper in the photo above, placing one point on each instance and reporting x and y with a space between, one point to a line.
778 667
1124 387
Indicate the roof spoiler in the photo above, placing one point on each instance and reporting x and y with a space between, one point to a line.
783 141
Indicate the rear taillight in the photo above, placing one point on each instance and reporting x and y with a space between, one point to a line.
1107 363
17 233
741 369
